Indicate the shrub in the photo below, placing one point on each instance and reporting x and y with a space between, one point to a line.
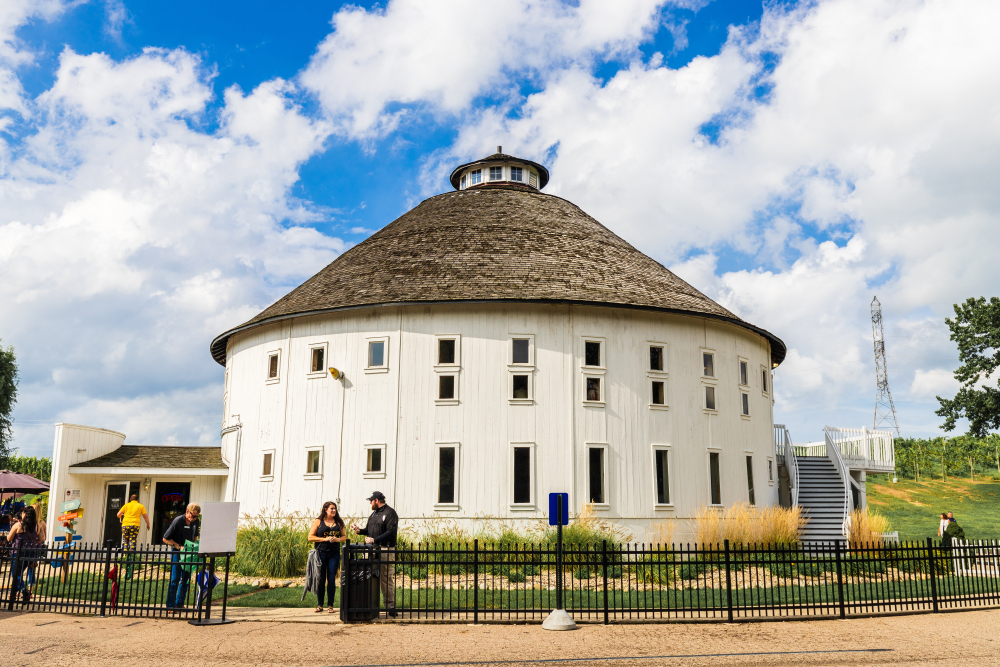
581 573
530 570
689 571
272 546
516 577
415 571
865 528
614 572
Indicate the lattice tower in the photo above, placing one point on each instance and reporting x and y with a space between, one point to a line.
885 411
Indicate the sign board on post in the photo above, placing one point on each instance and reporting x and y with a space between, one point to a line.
219 522
554 515
73 494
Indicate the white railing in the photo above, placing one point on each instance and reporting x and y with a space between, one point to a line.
976 558
864 449
845 477
783 447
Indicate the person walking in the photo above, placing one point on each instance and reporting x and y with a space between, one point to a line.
182 529
381 531
24 534
130 515
326 533
942 524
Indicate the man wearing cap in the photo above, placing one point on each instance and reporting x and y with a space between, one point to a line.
381 531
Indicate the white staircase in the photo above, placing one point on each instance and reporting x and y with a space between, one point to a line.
821 496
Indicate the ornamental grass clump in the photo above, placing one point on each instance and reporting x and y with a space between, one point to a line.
273 546
865 529
745 525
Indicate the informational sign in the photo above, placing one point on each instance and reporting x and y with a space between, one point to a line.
555 516
70 516
70 506
73 494
219 522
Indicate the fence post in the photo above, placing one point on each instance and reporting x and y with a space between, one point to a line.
107 570
840 579
931 568
604 563
475 581
729 586
345 583
15 563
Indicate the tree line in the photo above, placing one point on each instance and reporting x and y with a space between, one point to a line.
36 466
939 458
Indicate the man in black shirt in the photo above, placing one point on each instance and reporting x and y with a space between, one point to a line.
184 528
381 531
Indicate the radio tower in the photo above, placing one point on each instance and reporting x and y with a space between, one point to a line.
885 411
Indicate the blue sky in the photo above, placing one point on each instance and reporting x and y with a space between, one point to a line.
168 170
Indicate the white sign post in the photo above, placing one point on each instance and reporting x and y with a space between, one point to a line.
219 522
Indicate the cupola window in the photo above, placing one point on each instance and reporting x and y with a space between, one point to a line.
496 173
475 177
515 174
463 183
532 179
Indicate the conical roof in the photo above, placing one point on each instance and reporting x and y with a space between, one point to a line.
494 243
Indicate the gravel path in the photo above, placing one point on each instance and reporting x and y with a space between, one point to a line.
958 639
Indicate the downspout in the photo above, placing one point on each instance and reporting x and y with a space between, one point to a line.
235 466
340 465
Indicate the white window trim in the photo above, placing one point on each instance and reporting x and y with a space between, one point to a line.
649 371
704 399
274 460
438 446
519 180
743 360
314 475
532 505
650 379
606 505
604 390
267 367
770 471
326 359
583 354
764 390
385 354
710 379
437 388
490 175
364 462
671 491
743 392
521 370
448 368
531 351
708 478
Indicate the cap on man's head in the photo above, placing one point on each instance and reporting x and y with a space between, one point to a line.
377 495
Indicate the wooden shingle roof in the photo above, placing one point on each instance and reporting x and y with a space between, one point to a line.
494 243
155 456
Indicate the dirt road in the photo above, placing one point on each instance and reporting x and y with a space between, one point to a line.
958 639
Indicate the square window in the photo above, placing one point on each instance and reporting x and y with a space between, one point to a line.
317 360
594 389
266 470
272 366
515 174
475 177
446 351
519 383
743 374
710 398
446 386
591 353
595 475
521 350
532 179
746 404
446 476
662 470
708 365
496 173
522 475
750 479
658 393
376 353
714 480
312 461
374 460
655 358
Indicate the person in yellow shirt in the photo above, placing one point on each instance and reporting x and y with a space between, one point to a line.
130 521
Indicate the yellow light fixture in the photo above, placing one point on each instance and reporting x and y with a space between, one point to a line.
335 373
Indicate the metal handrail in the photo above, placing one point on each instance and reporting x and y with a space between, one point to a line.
783 447
864 448
845 476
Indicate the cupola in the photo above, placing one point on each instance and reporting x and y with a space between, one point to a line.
500 169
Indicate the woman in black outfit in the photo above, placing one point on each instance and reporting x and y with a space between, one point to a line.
328 531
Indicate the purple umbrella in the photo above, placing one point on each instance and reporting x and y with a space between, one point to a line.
21 483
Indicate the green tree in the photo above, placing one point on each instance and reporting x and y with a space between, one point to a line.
976 330
8 397
39 468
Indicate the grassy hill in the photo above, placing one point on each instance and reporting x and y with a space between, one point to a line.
913 508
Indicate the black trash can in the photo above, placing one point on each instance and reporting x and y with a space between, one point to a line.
359 589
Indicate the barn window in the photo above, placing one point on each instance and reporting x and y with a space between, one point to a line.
266 468
661 469
496 173
314 462
715 483
519 386
770 470
272 366
746 403
708 364
515 174
594 389
750 479
592 353
376 354
710 398
446 350
763 379
595 475
520 350
744 379
658 398
462 186
655 358
317 360
447 468
374 460
522 475
532 179
475 177
446 387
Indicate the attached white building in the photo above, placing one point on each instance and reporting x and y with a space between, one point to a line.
490 346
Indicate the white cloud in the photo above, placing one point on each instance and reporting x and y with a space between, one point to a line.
13 53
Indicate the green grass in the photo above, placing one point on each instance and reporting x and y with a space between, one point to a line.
914 508
280 597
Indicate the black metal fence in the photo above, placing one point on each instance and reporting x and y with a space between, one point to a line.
106 580
480 582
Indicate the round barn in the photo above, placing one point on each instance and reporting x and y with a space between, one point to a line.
490 346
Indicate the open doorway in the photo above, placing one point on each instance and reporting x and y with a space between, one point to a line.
117 495
171 500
